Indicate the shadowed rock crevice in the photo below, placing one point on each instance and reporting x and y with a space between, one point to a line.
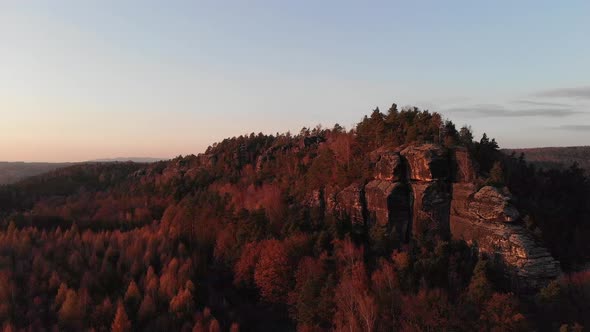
388 206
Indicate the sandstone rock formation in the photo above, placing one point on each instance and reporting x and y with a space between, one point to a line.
486 219
427 192
431 208
350 203
493 205
379 198
389 167
388 205
524 262
427 162
427 169
463 167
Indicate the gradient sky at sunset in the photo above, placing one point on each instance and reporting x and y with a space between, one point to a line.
83 80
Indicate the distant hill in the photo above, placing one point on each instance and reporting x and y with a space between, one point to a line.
11 172
556 157
124 159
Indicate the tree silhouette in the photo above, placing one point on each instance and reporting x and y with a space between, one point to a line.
121 322
70 313
147 309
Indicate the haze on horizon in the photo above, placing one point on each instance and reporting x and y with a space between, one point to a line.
103 79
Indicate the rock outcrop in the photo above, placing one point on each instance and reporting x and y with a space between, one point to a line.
488 204
426 162
388 205
493 205
432 201
427 169
427 192
350 203
487 219
525 263
389 167
463 167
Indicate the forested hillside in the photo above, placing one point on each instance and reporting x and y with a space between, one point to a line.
273 233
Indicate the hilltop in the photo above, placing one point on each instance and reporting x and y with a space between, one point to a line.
401 223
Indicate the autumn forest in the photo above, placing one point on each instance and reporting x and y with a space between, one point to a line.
388 226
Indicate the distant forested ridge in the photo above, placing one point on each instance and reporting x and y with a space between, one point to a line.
328 229
556 157
11 172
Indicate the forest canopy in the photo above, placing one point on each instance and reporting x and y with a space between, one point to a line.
232 239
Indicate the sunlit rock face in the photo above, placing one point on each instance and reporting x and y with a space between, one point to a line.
486 219
463 168
389 167
487 204
493 205
526 263
379 196
427 162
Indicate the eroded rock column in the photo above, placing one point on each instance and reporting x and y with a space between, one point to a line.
427 169
387 196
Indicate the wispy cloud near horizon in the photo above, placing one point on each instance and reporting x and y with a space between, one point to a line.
541 103
577 93
582 128
492 110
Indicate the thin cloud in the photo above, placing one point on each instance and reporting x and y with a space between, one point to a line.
541 103
501 111
579 93
584 128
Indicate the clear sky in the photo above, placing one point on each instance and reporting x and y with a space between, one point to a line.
82 80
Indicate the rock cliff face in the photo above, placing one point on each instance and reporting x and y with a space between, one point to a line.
350 202
432 202
389 167
427 192
463 169
487 219
388 205
491 204
426 162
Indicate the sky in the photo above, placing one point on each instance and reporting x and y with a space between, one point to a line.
82 80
